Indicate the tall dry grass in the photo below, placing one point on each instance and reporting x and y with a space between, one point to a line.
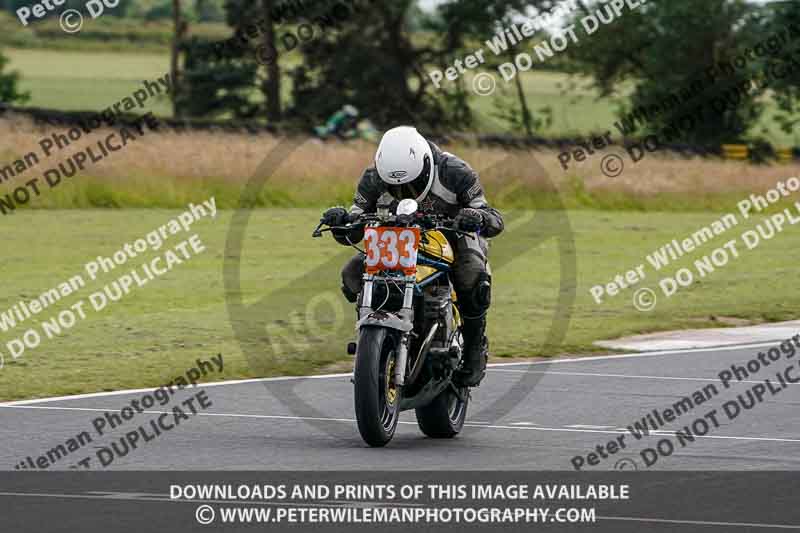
169 169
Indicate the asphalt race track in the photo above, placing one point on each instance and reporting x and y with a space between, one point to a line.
575 405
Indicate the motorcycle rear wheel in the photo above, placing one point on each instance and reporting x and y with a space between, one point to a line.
376 398
444 417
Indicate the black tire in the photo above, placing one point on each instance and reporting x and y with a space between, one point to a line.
377 416
444 417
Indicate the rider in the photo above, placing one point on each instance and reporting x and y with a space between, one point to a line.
409 166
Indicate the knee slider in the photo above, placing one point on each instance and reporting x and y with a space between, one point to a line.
482 293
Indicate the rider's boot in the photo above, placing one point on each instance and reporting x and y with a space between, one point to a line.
476 352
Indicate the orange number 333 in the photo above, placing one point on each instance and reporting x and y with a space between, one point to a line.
391 249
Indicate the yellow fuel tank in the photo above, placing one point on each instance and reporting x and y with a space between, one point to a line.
438 247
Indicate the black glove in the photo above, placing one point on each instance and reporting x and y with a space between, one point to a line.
469 219
335 216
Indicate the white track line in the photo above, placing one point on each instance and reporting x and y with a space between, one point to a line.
352 420
151 389
577 359
580 359
712 380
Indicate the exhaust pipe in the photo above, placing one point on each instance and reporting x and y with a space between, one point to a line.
423 352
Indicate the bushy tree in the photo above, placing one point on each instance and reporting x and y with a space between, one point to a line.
786 86
666 48
214 84
462 23
209 11
9 85
368 57
160 11
254 21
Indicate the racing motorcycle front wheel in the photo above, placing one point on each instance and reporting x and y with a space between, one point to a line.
377 398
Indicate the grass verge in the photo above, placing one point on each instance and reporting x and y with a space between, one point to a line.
168 169
157 331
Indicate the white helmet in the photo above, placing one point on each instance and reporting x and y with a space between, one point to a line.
405 162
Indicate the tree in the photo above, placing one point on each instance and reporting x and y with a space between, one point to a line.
465 21
786 86
253 22
9 91
366 56
271 86
180 28
665 49
217 82
209 11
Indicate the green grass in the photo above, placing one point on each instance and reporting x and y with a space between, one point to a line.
574 112
106 33
157 331
87 81
143 190
578 109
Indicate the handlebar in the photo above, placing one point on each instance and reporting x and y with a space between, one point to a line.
426 222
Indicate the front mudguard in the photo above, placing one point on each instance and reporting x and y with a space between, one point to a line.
382 319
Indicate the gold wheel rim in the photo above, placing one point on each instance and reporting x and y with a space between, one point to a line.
391 390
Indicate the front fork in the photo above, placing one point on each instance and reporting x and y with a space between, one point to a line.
406 314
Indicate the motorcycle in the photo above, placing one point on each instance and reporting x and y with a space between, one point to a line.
409 330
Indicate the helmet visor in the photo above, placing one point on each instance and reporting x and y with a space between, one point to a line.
415 188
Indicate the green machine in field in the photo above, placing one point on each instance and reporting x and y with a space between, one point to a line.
346 125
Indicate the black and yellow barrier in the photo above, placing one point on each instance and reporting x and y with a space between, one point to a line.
737 152
785 155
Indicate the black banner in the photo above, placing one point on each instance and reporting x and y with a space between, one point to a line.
90 502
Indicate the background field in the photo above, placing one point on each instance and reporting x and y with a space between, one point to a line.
106 77
169 169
